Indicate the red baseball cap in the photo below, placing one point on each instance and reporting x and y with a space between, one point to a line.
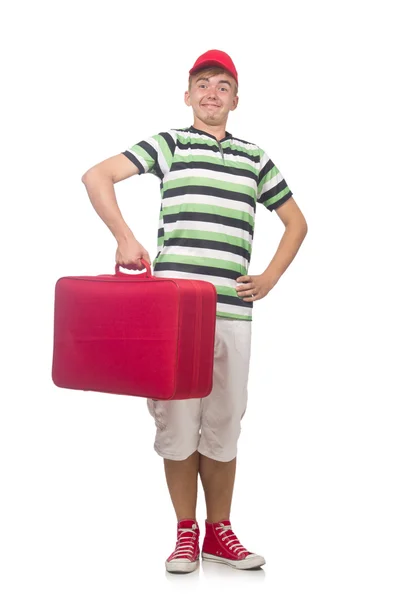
215 58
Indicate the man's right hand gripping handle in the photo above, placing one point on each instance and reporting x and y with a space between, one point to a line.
129 253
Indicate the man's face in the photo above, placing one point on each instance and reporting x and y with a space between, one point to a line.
212 97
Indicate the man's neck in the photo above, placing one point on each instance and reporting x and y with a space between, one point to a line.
218 131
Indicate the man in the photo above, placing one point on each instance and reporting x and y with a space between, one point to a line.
210 184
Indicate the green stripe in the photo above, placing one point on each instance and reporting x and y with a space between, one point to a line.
141 152
202 261
206 182
209 209
201 140
165 149
234 316
209 235
272 173
278 197
227 291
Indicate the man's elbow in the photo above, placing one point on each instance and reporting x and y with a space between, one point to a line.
298 228
303 229
85 176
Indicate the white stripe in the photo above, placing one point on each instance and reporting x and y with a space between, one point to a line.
234 309
206 253
212 227
268 185
246 145
140 159
160 157
213 201
173 134
213 175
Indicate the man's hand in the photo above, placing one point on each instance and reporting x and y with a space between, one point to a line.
129 253
254 287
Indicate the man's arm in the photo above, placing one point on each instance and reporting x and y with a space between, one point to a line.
294 234
99 181
118 167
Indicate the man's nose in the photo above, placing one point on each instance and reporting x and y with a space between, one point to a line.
211 93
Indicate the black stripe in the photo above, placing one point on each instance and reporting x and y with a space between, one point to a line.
244 141
170 141
135 161
149 149
197 269
233 301
205 133
279 202
152 152
192 145
208 218
268 167
228 150
208 244
197 146
160 232
195 164
273 192
206 190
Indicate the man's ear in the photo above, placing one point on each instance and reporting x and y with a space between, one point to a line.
187 99
235 103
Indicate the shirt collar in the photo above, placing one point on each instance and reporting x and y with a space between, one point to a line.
194 130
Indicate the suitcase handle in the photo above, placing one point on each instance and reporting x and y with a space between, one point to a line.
145 264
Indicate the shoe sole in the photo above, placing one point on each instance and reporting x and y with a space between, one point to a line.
181 567
249 563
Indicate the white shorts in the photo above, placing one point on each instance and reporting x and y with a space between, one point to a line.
210 425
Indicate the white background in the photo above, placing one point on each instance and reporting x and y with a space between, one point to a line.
85 511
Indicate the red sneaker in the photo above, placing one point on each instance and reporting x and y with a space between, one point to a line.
185 557
221 545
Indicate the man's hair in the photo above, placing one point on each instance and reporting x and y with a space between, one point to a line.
209 72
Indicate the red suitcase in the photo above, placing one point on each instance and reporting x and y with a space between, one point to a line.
137 335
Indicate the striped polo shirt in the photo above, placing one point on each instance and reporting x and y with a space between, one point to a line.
209 192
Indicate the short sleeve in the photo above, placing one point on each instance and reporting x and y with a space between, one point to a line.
273 190
154 154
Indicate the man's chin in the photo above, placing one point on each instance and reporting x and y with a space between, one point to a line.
211 120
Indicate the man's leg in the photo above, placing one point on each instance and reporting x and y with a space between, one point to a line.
218 483
220 429
177 438
222 412
181 476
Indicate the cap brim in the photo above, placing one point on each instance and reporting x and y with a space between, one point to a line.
210 63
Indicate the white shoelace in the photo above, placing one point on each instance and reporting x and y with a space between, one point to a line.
235 545
184 544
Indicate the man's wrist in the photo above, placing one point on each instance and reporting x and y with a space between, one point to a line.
124 235
271 277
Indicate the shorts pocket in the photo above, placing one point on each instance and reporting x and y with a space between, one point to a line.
157 411
242 337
